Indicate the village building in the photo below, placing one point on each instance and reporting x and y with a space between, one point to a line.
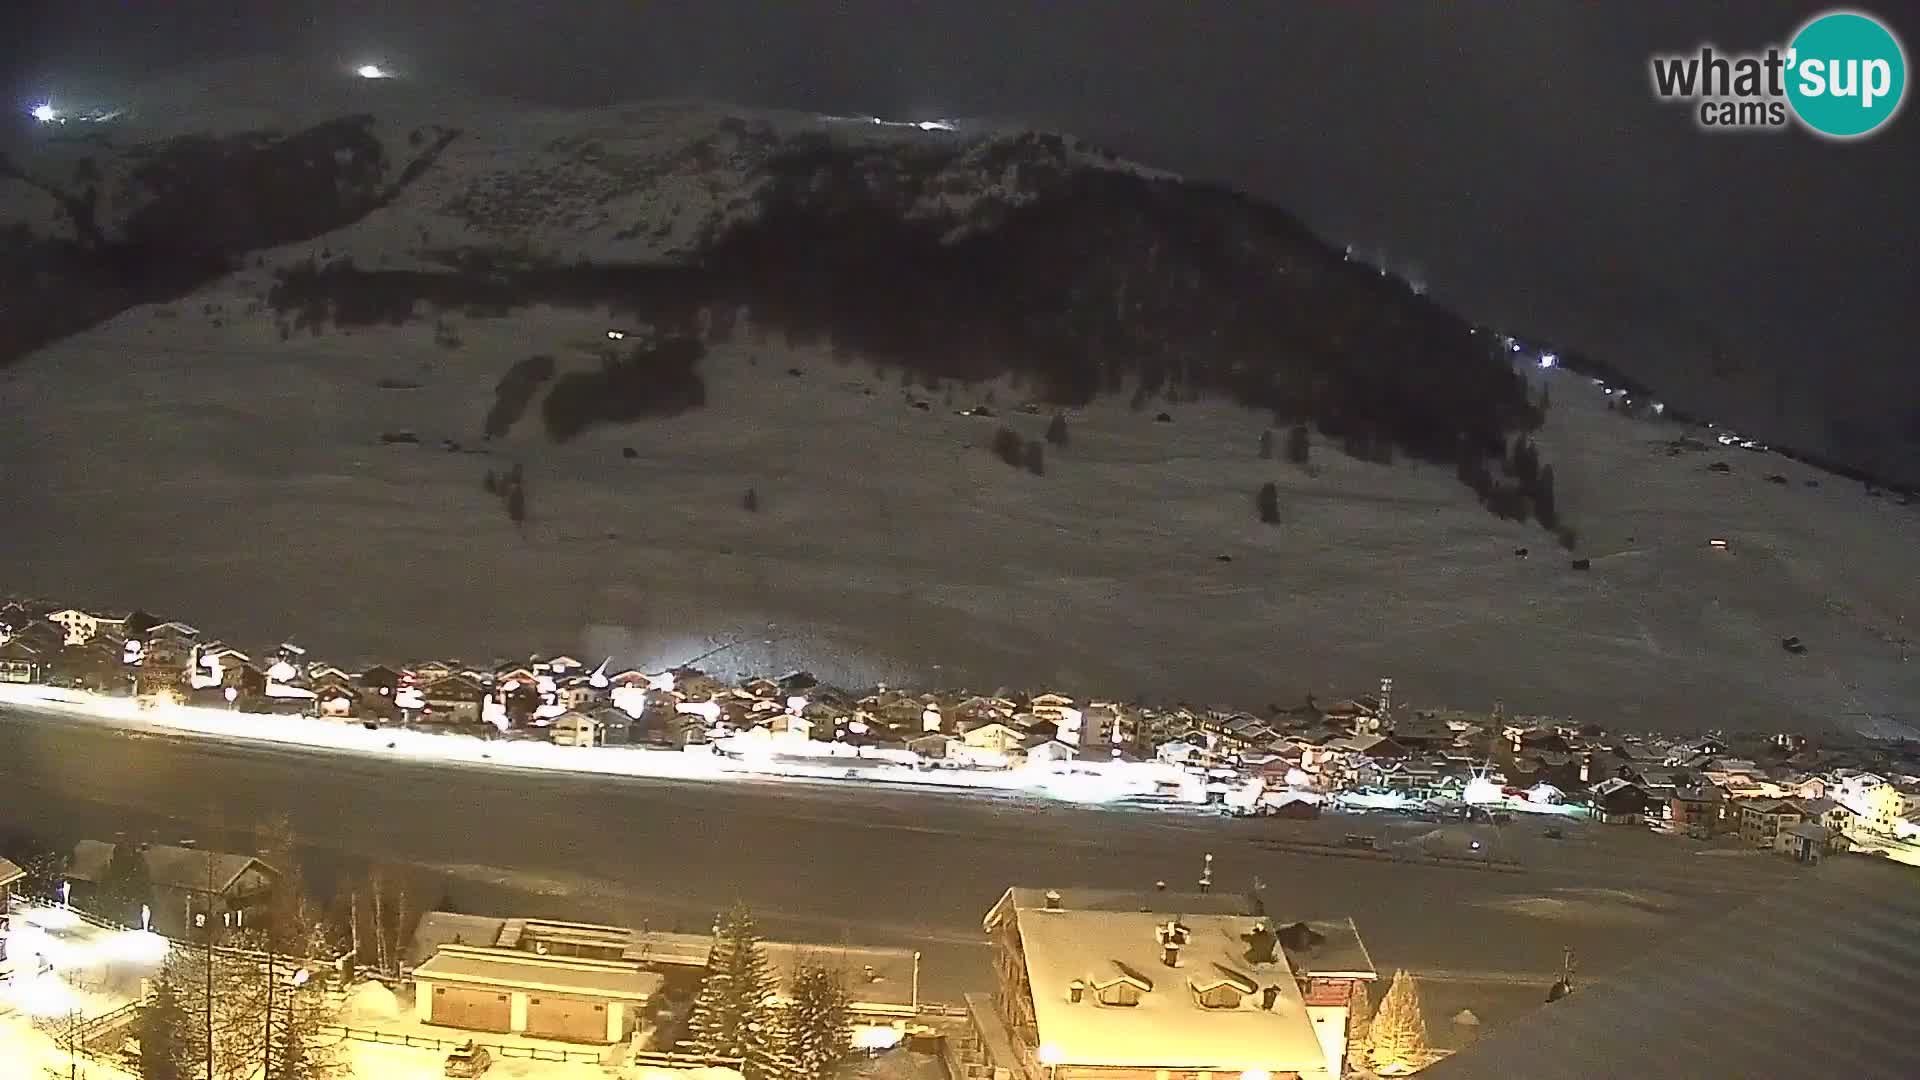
1699 810
21 663
80 627
574 728
191 887
1131 987
10 878
568 998
453 699
589 983
1620 802
1809 843
995 737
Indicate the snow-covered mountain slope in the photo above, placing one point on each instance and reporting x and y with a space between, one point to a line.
241 481
234 294
960 252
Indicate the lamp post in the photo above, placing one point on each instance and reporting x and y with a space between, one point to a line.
298 980
916 982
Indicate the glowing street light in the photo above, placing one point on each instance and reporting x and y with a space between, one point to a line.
1548 359
371 71
45 112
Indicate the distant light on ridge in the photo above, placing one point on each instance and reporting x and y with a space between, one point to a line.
45 112
371 71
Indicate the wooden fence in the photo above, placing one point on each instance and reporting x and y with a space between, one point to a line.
424 1042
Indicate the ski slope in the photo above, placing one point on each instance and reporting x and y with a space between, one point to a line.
240 482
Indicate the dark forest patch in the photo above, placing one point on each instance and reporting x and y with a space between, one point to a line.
515 391
652 380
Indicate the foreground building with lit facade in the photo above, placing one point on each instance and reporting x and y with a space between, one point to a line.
1097 985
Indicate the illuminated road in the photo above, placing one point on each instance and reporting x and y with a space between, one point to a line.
822 862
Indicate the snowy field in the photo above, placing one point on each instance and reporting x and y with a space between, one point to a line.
240 482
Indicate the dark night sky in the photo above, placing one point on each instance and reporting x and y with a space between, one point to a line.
1508 153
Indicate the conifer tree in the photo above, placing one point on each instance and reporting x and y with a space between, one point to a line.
1267 503
1400 1028
1299 444
734 1015
161 1029
1036 458
817 1033
1544 506
1359 1022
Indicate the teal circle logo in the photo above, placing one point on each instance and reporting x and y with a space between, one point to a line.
1846 74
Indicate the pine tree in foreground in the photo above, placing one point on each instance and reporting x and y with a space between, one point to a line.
161 1029
818 1031
1359 1022
734 1015
1400 1028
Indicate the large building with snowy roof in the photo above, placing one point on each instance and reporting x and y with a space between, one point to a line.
1160 986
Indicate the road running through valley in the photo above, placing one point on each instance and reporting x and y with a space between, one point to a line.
832 863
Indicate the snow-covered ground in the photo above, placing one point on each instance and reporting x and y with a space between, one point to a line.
239 482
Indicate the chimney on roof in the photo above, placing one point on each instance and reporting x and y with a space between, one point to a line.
1053 899
1173 937
1269 995
1076 990
1261 944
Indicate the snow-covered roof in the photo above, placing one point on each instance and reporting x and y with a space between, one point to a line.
167 866
467 964
1169 1027
439 928
878 980
9 873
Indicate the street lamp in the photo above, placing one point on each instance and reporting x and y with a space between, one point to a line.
1050 1057
298 980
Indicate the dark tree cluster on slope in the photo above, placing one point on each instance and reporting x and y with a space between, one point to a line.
515 391
1035 458
660 379
1299 444
1009 447
1102 281
1267 503
1527 489
511 489
1057 429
